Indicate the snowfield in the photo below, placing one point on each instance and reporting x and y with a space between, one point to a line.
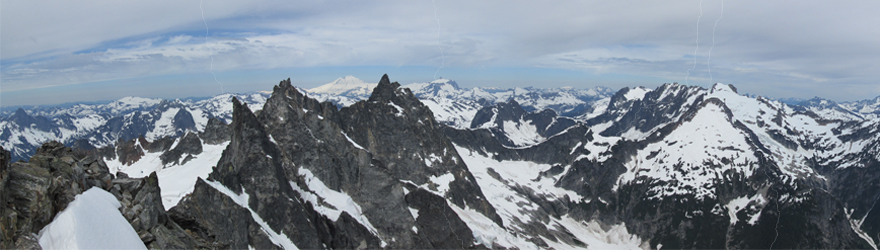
516 209
175 181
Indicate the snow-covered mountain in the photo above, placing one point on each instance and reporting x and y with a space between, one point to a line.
688 167
99 125
436 166
456 106
857 110
346 86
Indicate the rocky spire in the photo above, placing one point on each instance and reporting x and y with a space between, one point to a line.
385 90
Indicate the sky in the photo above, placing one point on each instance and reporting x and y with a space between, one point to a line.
70 51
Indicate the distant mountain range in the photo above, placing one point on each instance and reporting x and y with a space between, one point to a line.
99 125
433 165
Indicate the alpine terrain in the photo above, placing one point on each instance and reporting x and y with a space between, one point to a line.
358 165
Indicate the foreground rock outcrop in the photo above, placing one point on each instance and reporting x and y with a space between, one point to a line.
32 193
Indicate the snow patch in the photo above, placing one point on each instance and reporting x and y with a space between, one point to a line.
353 143
442 183
91 221
522 134
414 212
636 93
741 203
591 233
429 161
399 109
486 232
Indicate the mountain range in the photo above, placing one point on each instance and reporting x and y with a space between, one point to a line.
352 164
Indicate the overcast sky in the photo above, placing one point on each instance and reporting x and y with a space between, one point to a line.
64 51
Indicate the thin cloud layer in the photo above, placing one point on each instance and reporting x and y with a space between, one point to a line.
778 49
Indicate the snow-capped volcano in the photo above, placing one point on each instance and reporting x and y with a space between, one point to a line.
346 86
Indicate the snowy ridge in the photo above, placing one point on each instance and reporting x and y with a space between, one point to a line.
690 158
712 133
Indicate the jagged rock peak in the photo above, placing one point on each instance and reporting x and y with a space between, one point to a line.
236 104
385 90
241 115
285 83
216 131
22 118
20 113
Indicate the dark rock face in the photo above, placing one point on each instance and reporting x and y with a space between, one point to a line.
213 216
189 144
216 132
555 150
24 120
404 139
142 206
183 120
129 151
161 145
438 223
253 163
504 111
658 107
126 127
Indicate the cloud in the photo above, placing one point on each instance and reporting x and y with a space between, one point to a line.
801 47
179 39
